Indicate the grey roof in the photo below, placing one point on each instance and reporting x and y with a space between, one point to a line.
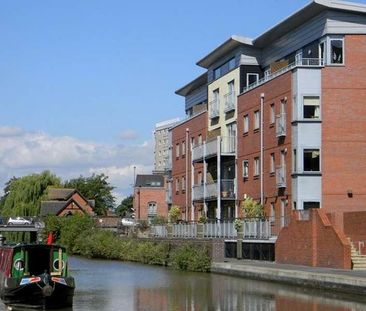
304 14
154 181
193 85
59 193
52 207
230 44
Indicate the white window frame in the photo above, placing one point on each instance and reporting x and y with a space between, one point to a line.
272 163
246 124
183 184
330 39
183 148
252 74
272 114
256 166
256 120
177 147
177 185
245 168
310 97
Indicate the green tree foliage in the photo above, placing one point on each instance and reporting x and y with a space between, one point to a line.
252 209
22 196
125 209
95 187
174 214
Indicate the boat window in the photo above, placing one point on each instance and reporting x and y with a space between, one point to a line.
56 264
38 261
19 264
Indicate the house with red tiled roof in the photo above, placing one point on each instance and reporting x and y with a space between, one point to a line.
65 202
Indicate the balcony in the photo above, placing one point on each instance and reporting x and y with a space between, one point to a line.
210 149
211 191
302 62
214 108
281 176
281 125
230 102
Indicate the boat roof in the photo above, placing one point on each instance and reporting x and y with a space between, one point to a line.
31 246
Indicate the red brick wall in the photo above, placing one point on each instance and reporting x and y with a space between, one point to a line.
196 126
355 229
249 144
343 131
314 242
142 197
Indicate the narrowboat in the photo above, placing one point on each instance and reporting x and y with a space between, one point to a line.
35 276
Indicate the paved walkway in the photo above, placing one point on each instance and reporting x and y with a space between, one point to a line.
349 281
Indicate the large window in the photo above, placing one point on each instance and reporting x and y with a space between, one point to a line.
311 107
336 51
311 160
152 208
252 78
224 68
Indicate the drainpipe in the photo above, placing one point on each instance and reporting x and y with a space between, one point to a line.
261 155
186 179
192 183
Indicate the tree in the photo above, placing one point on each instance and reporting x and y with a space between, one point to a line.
125 209
252 209
95 187
174 214
22 196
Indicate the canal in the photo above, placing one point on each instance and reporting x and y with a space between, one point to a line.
111 285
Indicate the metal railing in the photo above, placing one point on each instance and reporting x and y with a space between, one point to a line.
281 176
229 102
255 229
227 147
228 188
302 62
281 125
214 108
197 192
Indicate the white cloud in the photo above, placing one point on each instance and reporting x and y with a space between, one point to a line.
128 134
24 152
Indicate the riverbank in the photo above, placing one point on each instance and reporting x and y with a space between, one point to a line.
345 281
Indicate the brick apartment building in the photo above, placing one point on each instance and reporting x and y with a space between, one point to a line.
285 125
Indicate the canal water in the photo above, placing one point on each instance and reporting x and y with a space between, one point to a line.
112 285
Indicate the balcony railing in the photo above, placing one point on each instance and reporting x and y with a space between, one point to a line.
230 102
281 125
210 190
302 62
214 108
228 189
281 176
227 147
251 229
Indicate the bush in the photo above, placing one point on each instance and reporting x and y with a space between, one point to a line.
174 214
190 257
252 209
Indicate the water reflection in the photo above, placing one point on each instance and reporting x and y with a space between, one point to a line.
110 285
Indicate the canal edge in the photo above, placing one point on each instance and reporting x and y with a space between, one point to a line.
319 280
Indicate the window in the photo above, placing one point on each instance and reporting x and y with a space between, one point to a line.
336 51
192 142
152 208
322 50
272 114
246 124
183 184
256 166
272 214
256 120
252 78
272 163
294 161
311 160
199 178
231 64
245 169
177 185
183 148
217 73
177 150
199 139
311 107
308 205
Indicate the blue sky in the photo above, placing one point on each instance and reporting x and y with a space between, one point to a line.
83 83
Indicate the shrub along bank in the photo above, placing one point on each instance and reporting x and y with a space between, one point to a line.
80 237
